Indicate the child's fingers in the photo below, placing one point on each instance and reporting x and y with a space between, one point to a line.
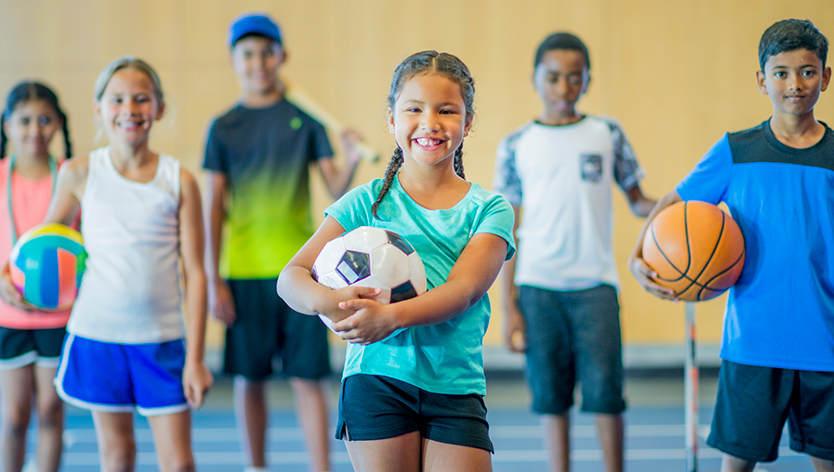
365 292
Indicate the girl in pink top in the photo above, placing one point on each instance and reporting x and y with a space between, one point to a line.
30 341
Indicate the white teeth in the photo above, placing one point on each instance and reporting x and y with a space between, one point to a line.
428 141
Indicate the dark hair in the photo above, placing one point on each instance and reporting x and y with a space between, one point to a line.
788 35
423 62
562 40
23 92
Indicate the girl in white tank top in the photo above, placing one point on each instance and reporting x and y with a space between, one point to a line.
141 216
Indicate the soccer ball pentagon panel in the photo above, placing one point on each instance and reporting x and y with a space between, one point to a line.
371 257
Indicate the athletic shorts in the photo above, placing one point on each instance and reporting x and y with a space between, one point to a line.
266 327
573 336
754 402
21 347
115 378
376 407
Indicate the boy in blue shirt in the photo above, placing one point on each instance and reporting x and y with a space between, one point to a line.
778 181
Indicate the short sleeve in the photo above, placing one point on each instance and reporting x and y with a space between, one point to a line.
498 217
710 179
216 158
319 142
506 181
627 171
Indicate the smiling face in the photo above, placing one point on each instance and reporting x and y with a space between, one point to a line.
429 119
793 80
256 61
561 78
31 127
128 107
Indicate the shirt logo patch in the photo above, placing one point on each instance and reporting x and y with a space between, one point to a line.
295 123
591 167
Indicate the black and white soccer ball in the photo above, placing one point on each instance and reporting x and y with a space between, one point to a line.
371 257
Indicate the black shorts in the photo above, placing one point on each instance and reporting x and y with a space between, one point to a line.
754 402
21 347
376 407
266 327
573 336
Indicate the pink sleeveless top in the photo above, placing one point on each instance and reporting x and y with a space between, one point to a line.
31 202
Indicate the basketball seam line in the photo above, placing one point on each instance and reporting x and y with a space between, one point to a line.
712 254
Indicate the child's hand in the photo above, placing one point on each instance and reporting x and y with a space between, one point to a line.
196 381
221 303
371 322
10 294
644 275
332 308
514 329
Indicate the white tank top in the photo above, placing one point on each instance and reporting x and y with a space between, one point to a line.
130 292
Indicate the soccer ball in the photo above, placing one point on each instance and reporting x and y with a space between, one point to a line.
371 257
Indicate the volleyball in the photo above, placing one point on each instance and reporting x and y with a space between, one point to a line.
696 249
46 266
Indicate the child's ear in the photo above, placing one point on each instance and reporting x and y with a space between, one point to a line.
160 111
760 81
467 126
390 120
97 108
826 78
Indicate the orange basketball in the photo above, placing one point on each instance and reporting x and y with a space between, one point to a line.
696 249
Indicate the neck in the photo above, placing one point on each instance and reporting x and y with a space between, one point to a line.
129 155
559 119
264 99
431 187
797 131
32 166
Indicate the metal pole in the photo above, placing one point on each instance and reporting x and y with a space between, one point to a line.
691 391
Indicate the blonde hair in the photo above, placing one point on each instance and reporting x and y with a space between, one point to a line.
131 63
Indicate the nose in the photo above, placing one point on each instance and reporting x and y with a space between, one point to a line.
796 83
430 121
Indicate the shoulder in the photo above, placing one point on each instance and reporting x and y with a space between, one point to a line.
509 139
754 133
188 183
488 199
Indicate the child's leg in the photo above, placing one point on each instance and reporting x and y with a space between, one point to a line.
398 454
16 390
50 420
556 431
116 445
611 439
734 464
312 414
822 465
441 457
251 416
172 439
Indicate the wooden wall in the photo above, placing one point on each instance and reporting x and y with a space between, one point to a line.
676 74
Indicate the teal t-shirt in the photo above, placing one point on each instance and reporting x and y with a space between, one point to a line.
446 358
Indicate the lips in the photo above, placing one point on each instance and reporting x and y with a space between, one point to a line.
428 142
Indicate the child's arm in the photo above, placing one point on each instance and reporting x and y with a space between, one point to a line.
337 180
514 324
219 295
196 378
72 179
471 276
640 204
642 272
302 293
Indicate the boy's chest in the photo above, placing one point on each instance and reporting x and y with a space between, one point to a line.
569 162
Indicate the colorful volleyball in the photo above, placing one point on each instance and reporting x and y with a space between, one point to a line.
46 265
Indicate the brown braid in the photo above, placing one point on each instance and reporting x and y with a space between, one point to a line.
393 166
459 161
2 135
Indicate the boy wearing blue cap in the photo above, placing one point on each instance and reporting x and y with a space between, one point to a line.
258 156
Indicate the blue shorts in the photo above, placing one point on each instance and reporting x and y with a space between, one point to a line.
573 336
111 377
754 402
22 347
377 407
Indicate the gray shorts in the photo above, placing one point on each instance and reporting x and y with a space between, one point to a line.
573 336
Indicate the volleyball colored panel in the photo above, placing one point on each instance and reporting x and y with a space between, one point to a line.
46 266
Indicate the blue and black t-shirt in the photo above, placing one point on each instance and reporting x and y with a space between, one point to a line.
780 313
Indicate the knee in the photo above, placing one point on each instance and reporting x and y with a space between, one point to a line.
16 421
120 459
51 414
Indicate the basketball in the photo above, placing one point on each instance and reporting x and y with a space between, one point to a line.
696 249
46 266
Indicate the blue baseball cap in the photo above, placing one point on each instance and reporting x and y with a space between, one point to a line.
253 23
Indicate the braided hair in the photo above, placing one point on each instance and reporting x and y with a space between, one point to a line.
441 63
23 92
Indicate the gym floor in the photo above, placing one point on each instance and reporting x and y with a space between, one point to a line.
654 430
